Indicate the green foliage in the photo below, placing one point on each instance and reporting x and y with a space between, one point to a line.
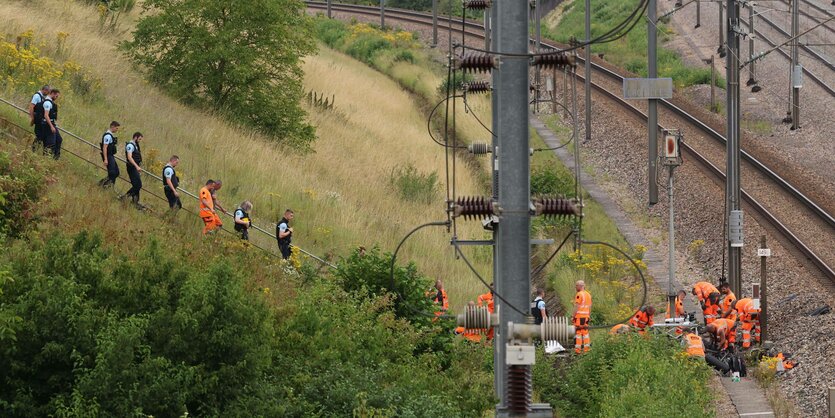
551 181
629 52
240 58
459 78
95 333
627 376
413 185
22 185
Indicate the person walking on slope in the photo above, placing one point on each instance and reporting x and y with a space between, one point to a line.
46 118
37 98
582 318
108 154
133 155
170 182
216 201
242 221
284 233
207 207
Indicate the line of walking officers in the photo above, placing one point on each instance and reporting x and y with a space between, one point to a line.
725 317
43 115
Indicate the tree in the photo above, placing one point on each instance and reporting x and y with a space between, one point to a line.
240 58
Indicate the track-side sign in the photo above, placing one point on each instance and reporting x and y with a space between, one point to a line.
647 88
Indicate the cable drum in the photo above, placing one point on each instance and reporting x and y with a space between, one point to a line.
557 328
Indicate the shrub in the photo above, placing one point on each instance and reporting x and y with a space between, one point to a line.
551 181
627 376
23 181
413 185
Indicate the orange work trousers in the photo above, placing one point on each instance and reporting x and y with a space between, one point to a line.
582 342
210 223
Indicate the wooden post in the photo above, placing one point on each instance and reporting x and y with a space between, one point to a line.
831 402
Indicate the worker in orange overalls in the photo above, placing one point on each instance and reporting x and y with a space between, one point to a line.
619 329
581 318
679 310
207 208
487 300
440 298
726 304
721 331
708 296
216 203
643 319
693 345
748 319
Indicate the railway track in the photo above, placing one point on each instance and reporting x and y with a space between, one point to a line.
788 191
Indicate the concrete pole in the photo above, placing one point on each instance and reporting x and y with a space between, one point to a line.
652 119
513 237
383 14
488 27
537 48
435 24
763 293
671 237
587 84
713 84
732 183
795 65
698 14
751 13
329 9
721 49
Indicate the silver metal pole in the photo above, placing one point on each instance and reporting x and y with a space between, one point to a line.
652 114
721 49
435 23
499 372
538 45
383 14
713 107
732 169
795 65
671 237
587 84
763 293
329 9
513 237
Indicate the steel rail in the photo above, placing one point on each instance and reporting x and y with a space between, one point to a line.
418 17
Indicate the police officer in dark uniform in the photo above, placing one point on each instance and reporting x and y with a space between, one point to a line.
38 97
134 165
45 115
284 233
538 309
108 154
242 221
170 182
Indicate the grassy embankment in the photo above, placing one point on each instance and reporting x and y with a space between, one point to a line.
341 192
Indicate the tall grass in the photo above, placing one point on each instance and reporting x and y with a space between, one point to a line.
340 192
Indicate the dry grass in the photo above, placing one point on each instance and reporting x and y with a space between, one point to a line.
340 192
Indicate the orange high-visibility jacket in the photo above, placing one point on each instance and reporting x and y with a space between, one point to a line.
679 309
206 211
441 300
695 347
723 324
703 290
582 301
745 308
488 299
641 320
726 306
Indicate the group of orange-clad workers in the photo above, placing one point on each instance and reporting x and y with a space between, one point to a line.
723 314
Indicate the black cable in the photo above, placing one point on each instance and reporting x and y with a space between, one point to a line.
542 267
393 287
469 110
569 140
432 113
481 279
634 264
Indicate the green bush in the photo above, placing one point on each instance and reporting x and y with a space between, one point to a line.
551 181
365 47
459 78
627 376
413 185
23 182
330 31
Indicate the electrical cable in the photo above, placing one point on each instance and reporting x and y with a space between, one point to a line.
469 110
637 268
570 139
432 113
542 267
484 282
